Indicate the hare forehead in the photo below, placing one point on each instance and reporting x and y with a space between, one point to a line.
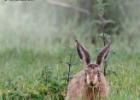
93 65
94 69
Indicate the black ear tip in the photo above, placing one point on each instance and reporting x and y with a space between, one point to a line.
76 41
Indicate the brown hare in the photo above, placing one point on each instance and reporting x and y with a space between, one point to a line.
90 83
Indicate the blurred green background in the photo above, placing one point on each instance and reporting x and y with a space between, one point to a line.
37 43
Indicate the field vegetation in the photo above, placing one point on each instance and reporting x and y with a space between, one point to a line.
37 46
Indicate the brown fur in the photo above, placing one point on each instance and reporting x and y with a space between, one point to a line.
79 90
90 83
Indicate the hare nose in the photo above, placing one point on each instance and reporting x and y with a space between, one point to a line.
91 84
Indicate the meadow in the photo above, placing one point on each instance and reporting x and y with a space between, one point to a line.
37 69
37 46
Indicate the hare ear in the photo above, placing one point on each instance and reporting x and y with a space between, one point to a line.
83 53
103 54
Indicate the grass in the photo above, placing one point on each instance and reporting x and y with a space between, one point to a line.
37 70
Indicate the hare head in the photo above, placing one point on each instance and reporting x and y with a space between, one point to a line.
92 71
